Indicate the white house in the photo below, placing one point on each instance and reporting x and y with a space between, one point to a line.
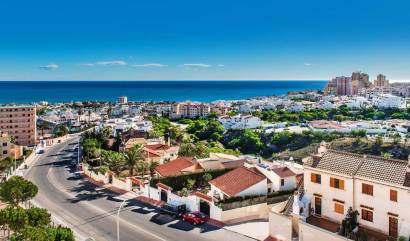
280 177
239 182
295 107
378 188
240 122
385 101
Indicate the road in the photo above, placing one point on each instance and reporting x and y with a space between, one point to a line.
91 211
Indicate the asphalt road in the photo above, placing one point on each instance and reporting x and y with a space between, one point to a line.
91 211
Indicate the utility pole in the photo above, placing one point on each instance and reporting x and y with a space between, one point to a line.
78 153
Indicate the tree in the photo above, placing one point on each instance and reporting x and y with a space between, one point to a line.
206 178
115 162
142 167
349 223
190 183
132 157
62 130
17 190
152 166
38 217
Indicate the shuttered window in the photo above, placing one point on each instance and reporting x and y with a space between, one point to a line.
337 183
316 178
367 189
393 195
339 208
367 215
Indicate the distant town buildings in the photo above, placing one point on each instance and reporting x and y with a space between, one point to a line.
343 85
19 122
189 110
8 149
122 100
381 81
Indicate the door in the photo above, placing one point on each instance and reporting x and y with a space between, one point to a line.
204 207
164 196
393 223
318 206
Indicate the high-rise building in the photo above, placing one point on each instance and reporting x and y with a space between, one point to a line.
359 80
381 81
122 100
19 122
341 85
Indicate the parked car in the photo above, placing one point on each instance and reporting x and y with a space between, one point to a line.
195 218
174 208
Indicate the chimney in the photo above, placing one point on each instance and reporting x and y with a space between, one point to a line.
322 148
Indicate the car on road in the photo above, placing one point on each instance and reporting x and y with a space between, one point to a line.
195 218
77 175
40 151
174 208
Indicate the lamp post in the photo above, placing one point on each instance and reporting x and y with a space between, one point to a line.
78 153
118 219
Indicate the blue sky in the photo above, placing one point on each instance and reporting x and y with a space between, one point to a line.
205 39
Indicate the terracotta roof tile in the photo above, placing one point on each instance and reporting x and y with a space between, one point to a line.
237 180
366 166
284 172
175 167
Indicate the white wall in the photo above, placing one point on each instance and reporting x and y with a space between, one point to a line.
328 194
280 226
260 188
309 232
381 203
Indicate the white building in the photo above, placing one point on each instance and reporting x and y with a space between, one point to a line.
378 188
385 101
295 107
239 182
240 122
356 102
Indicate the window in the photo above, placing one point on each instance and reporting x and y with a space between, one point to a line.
4 143
282 182
316 178
4 152
337 183
367 215
339 208
367 189
393 195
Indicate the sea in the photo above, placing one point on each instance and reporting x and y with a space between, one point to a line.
20 92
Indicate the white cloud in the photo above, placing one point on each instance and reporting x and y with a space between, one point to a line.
197 65
49 67
114 62
150 65
307 64
88 65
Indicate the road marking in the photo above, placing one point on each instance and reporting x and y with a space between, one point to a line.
111 216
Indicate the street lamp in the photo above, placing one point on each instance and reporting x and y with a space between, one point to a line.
124 200
118 219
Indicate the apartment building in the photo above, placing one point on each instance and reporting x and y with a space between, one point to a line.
378 188
19 122
189 110
8 149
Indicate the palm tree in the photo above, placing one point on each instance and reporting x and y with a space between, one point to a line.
151 167
132 157
116 162
142 167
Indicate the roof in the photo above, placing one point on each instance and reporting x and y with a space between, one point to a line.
237 180
376 168
157 147
284 172
175 167
163 186
203 196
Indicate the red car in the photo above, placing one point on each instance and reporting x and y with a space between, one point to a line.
195 218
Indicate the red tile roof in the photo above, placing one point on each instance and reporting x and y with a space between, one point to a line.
163 186
203 196
237 180
156 147
175 167
284 172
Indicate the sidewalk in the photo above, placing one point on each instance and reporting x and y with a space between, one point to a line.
257 229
